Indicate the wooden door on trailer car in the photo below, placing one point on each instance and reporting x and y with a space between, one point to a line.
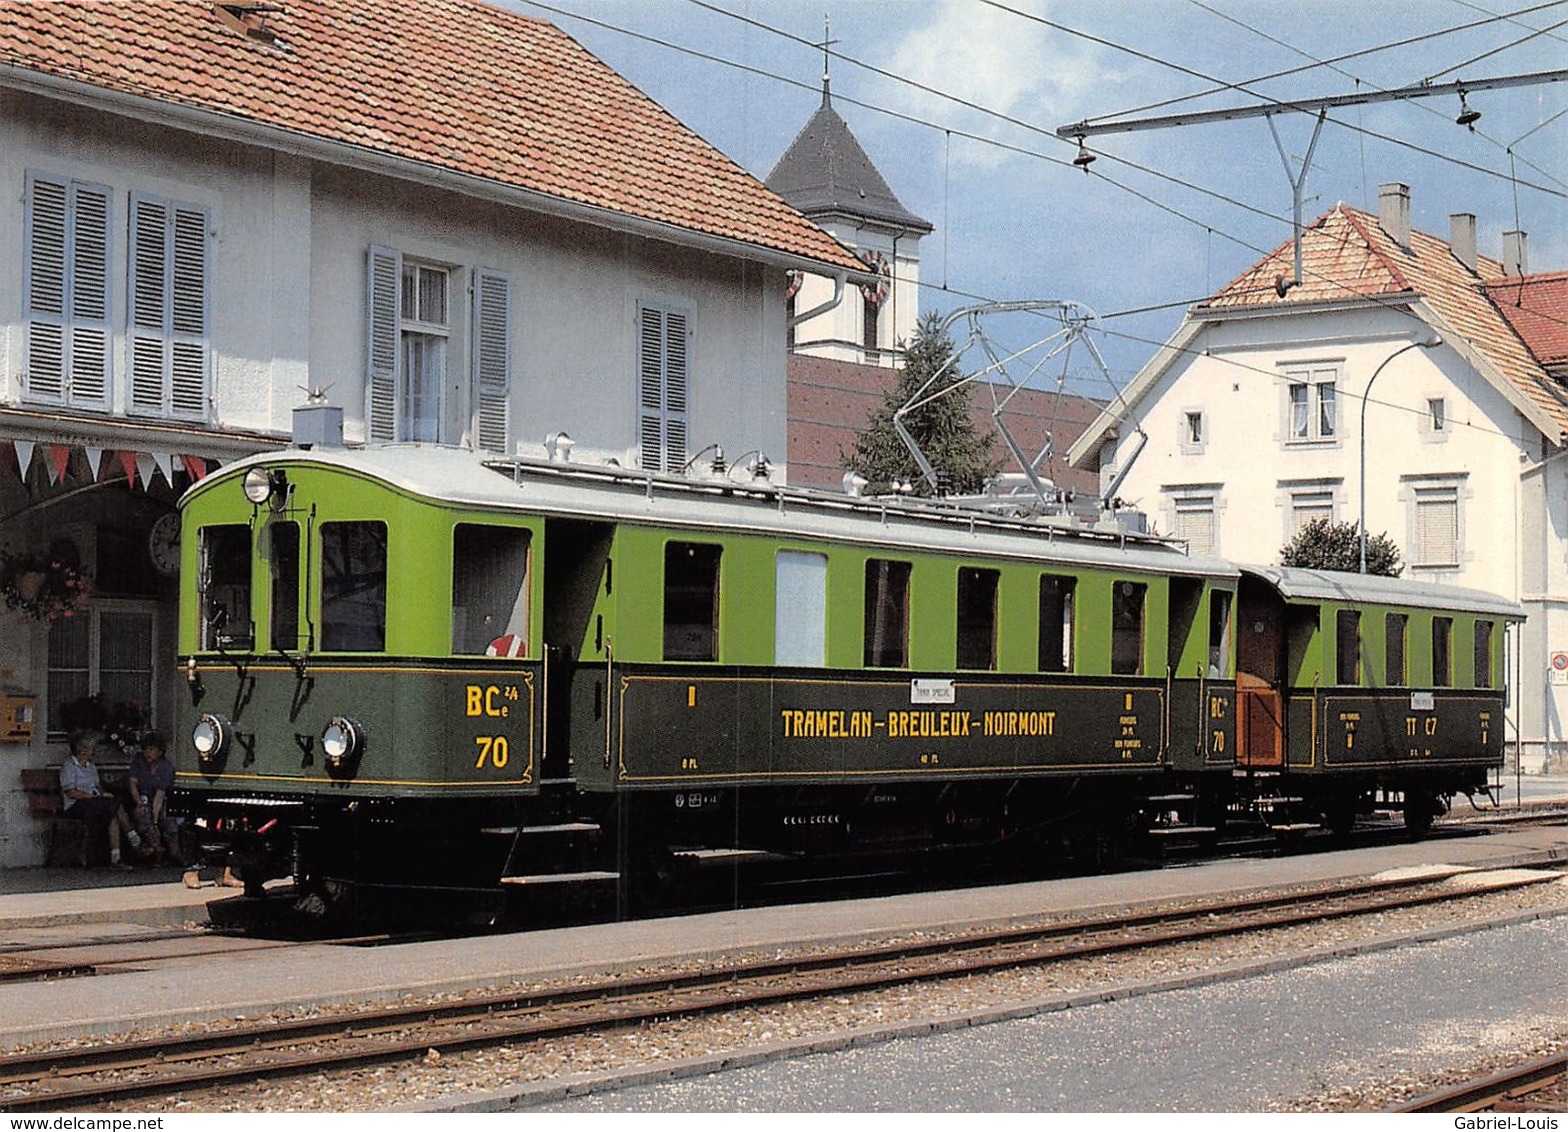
1260 669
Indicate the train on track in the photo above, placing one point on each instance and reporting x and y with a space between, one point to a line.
414 674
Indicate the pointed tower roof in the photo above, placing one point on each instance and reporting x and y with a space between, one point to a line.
825 170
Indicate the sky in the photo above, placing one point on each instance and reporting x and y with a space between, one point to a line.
1163 217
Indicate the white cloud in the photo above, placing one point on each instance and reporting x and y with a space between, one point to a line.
1001 61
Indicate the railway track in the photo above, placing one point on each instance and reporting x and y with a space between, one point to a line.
115 1073
1537 1086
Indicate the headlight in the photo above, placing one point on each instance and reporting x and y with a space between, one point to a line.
211 737
258 485
342 740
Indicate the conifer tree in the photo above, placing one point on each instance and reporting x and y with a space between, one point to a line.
947 436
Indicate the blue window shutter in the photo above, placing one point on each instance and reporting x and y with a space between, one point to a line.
492 368
663 372
66 292
383 328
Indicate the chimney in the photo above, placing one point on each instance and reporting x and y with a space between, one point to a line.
1393 212
1461 237
1515 261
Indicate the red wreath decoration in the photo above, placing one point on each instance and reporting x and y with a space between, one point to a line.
876 293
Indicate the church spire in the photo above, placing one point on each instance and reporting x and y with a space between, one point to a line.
827 78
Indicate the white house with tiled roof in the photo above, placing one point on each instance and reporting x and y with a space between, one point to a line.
449 219
1392 354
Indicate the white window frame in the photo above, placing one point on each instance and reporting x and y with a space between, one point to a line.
425 334
393 330
1194 431
67 300
664 342
167 309
1436 421
1428 498
93 616
1188 507
1312 405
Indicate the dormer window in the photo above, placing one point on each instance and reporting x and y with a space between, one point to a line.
249 20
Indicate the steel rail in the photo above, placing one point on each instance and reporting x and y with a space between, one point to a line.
161 1066
1485 1092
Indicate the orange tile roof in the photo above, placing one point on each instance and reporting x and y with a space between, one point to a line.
454 84
1346 256
1536 306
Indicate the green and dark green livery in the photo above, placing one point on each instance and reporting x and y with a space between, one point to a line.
411 669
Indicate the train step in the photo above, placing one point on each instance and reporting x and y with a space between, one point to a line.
1181 830
559 827
1294 826
1170 799
721 856
592 877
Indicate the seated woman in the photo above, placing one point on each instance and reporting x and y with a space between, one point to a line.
150 778
84 798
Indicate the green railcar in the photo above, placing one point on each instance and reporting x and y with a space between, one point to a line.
413 670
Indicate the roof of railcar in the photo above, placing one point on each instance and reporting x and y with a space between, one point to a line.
465 479
1297 584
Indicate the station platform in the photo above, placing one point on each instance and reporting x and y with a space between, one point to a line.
60 906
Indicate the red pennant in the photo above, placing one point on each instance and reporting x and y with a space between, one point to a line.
195 467
60 457
128 464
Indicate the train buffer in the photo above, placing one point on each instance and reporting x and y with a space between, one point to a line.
589 876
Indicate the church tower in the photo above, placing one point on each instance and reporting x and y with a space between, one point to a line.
828 176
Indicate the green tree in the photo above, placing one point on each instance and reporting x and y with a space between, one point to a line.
1322 545
943 428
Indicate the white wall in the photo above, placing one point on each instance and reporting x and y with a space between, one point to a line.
838 333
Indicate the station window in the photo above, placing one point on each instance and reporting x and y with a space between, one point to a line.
1483 654
1442 652
1219 634
887 614
1395 672
800 612
691 601
1127 602
489 590
1349 647
353 587
224 587
977 617
283 560
1056 622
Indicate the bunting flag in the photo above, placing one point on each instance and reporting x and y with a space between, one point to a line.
24 457
165 464
128 464
195 467
59 461
146 466
94 459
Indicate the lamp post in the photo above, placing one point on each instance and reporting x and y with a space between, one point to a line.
1366 396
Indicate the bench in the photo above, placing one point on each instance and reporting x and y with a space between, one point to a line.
67 835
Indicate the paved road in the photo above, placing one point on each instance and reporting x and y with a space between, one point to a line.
1244 1046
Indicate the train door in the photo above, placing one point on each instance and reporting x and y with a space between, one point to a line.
577 556
1260 670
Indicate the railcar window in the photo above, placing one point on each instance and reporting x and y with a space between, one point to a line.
1483 654
1056 622
1127 601
1219 635
1395 671
283 558
887 614
977 617
489 590
224 585
691 601
1442 658
1349 647
800 613
353 587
